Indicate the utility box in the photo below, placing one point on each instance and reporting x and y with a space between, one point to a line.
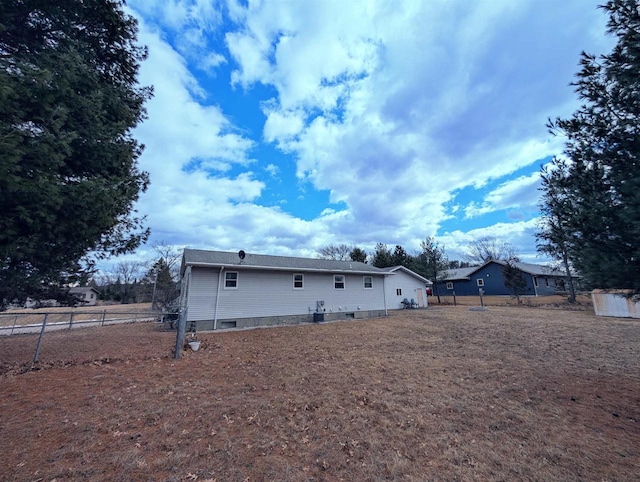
318 317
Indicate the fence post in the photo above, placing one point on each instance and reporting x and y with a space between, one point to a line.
104 313
454 299
44 324
15 320
180 334
71 321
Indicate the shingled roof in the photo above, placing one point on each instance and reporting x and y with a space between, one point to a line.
532 269
219 259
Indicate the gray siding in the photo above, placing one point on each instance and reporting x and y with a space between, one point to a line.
263 293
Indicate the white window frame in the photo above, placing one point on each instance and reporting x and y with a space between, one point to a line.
480 282
336 281
364 282
301 281
227 280
449 285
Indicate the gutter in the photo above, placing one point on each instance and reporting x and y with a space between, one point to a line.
384 295
288 269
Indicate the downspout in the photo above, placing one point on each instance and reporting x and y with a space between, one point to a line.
215 315
384 294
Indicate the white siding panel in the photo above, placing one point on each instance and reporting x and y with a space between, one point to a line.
407 283
270 293
202 294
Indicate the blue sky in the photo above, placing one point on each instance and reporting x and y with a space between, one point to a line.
282 126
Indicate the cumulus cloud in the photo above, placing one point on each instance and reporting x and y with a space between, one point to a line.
389 110
522 192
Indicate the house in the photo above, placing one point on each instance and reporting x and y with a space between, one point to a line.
239 290
405 285
540 280
83 295
86 295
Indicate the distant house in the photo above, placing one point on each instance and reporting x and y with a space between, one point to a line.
86 295
540 280
238 290
405 285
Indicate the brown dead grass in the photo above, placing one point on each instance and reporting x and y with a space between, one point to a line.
511 393
583 301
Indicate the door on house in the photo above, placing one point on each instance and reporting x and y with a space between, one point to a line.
419 297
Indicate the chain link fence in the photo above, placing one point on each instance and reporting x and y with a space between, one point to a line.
24 334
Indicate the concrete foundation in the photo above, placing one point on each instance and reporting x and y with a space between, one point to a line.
289 320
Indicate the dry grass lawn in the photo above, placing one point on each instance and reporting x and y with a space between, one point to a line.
61 314
511 393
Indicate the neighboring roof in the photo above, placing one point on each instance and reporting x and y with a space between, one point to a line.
219 259
459 273
393 269
82 289
530 268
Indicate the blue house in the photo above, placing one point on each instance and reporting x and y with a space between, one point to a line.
540 280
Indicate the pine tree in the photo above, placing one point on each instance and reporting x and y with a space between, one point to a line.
382 257
435 262
358 254
600 178
553 238
68 102
514 280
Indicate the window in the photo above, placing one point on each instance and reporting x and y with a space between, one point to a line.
298 281
399 291
449 285
338 281
535 281
231 279
546 280
480 282
368 282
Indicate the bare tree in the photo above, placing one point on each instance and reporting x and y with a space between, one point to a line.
126 274
163 273
171 256
340 252
490 248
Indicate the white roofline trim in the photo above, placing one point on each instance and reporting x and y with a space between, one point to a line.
283 268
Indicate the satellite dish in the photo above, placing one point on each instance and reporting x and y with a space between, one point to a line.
241 254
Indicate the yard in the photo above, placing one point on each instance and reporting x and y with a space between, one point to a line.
510 393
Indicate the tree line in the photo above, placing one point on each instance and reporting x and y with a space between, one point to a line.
431 260
155 281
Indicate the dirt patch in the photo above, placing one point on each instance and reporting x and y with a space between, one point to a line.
438 394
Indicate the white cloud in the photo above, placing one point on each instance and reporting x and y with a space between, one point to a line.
517 234
391 110
521 192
